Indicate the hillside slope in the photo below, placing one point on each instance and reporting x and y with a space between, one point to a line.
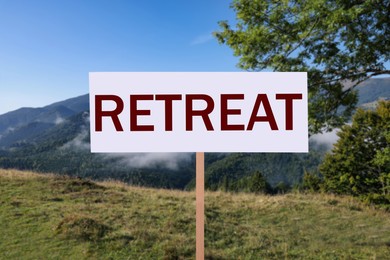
52 217
65 149
51 114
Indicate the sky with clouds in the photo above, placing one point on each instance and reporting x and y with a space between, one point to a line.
47 48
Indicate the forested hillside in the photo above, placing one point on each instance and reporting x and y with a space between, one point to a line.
64 149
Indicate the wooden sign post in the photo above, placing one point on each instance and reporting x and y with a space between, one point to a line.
199 205
140 112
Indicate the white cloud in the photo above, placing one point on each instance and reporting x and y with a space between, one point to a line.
59 120
327 139
133 160
150 160
78 142
201 39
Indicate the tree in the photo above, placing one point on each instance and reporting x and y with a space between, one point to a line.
311 182
359 163
340 43
258 184
382 163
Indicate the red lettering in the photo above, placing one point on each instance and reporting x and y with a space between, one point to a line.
289 107
225 112
269 116
168 108
190 113
190 99
134 113
99 113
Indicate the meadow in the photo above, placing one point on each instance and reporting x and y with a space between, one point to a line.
56 217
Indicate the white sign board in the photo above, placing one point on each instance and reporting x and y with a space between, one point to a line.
198 111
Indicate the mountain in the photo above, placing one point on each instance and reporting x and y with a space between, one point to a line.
55 138
26 123
64 148
373 90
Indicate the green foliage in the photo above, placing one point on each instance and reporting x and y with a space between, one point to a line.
334 41
382 162
311 182
281 188
235 172
359 163
254 183
258 184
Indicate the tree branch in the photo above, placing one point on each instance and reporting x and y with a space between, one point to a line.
374 73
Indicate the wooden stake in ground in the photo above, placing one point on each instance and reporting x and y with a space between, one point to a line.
200 206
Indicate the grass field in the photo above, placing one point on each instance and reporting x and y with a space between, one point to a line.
51 217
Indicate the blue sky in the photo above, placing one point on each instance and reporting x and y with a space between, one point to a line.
47 48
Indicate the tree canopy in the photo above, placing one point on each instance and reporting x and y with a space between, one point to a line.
359 163
340 43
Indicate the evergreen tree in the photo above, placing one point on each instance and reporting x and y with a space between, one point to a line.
359 163
258 184
311 182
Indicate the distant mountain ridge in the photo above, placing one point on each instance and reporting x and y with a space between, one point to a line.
47 114
26 123
373 90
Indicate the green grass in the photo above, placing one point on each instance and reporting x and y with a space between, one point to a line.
51 217
294 226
